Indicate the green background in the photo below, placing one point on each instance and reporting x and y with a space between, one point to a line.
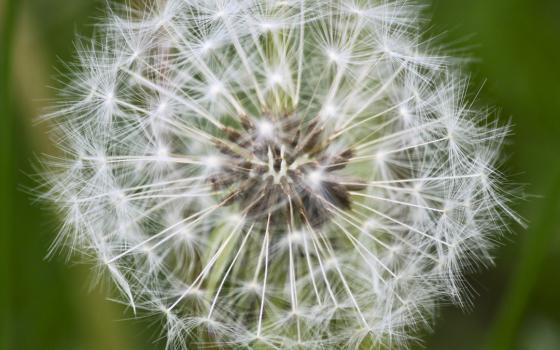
48 304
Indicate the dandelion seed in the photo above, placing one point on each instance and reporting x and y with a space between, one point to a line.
276 174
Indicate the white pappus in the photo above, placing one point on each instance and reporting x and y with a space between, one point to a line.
276 174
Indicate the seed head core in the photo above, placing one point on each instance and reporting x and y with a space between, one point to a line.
282 170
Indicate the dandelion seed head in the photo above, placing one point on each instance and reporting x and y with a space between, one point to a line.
276 173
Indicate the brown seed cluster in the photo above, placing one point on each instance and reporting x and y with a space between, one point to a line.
282 170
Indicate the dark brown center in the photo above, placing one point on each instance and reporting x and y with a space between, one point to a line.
282 171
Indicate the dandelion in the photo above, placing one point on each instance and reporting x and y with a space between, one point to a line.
276 174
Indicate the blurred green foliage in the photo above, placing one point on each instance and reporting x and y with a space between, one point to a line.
48 305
